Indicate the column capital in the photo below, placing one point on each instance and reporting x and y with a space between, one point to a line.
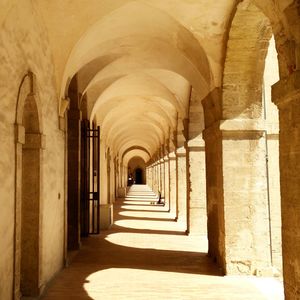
62 123
180 152
236 128
196 144
286 90
172 156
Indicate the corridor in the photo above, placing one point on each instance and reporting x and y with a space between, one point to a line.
146 255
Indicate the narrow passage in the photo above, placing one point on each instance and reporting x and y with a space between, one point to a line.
146 255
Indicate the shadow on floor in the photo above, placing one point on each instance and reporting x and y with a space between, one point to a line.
98 253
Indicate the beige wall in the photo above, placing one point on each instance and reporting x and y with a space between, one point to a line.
23 47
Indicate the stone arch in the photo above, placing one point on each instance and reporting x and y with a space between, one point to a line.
135 148
137 168
135 152
101 38
29 145
132 143
244 63
239 138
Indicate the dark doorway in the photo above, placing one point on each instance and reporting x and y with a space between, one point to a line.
139 176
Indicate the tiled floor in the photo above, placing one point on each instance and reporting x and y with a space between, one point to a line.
147 256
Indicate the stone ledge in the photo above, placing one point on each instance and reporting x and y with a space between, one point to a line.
196 148
172 157
243 125
180 152
199 142
237 128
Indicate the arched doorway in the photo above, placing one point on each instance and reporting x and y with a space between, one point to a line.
136 171
138 176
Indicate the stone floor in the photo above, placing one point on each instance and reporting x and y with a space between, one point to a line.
146 255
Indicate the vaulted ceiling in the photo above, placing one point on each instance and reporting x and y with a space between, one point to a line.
137 61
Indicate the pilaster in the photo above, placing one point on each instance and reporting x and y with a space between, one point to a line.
286 95
167 180
173 184
238 216
182 184
197 216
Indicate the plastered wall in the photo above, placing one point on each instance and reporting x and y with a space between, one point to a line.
23 47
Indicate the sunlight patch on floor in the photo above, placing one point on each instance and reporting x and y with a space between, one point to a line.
146 241
174 285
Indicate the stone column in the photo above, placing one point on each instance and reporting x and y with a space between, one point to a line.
182 171
74 132
159 175
124 176
238 217
182 184
156 178
162 177
197 217
148 175
151 174
286 95
173 184
167 180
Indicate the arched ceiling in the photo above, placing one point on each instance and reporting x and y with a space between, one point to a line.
69 21
136 61
135 153
136 66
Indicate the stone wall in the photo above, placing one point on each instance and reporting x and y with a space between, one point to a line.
24 47
285 94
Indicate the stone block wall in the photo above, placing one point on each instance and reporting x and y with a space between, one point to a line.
286 94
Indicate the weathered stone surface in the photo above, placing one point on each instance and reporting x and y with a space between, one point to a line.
24 46
149 106
287 99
